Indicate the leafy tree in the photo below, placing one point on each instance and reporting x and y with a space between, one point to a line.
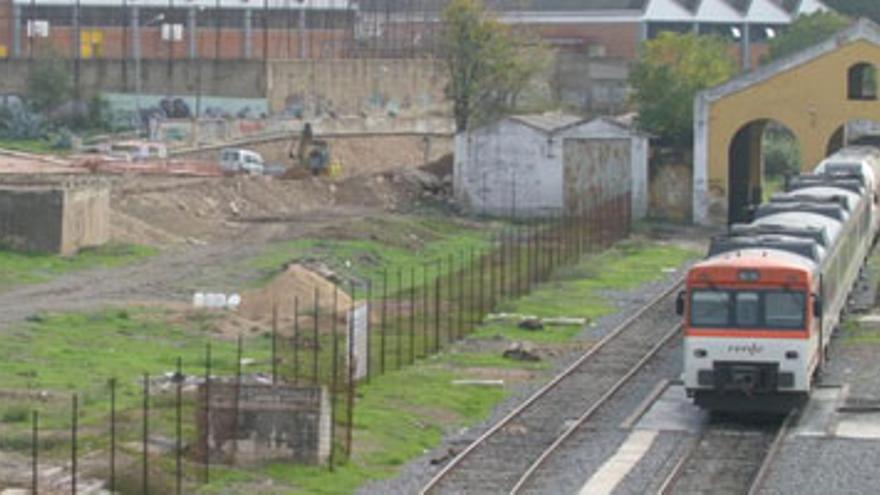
857 8
806 31
50 84
671 70
488 65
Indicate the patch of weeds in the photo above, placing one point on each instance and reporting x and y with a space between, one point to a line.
15 414
27 268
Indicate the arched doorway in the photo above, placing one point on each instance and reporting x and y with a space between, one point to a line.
761 153
855 132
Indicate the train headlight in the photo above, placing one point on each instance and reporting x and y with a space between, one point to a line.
700 353
791 355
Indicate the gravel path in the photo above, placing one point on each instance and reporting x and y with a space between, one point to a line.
820 466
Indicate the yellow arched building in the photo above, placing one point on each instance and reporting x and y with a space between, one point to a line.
815 93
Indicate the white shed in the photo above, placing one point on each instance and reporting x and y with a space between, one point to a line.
533 165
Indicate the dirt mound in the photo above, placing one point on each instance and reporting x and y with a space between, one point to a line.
294 282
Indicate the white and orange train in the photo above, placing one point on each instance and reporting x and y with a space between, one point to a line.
759 311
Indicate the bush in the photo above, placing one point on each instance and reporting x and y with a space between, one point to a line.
50 84
781 153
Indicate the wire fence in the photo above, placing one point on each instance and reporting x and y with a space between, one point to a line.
155 436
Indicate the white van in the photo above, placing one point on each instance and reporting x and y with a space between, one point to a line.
237 160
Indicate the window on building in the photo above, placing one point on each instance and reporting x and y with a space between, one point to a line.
862 82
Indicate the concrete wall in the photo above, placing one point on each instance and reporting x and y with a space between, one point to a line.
508 169
54 219
86 218
279 422
31 218
356 86
237 78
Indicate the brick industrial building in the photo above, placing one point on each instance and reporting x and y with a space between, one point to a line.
308 29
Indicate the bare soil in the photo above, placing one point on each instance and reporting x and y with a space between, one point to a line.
204 228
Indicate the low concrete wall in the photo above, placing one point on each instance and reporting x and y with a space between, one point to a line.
272 423
54 218
233 78
313 88
670 188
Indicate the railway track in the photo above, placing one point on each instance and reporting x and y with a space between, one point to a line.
507 453
728 458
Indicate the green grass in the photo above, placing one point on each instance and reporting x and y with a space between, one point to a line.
66 353
23 268
405 243
399 417
27 145
576 291
404 413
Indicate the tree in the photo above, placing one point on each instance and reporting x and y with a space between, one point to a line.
488 66
807 30
857 8
50 84
671 70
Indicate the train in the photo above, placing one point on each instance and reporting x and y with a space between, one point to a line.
759 311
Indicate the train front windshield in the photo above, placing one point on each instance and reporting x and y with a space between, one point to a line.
748 309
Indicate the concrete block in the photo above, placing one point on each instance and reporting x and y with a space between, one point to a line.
277 422
54 218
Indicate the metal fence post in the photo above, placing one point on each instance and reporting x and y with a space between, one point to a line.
35 446
73 443
425 311
145 480
274 344
383 321
461 299
482 286
333 379
112 435
398 319
412 314
236 399
503 287
206 431
437 288
296 340
450 295
316 337
178 432
472 268
369 362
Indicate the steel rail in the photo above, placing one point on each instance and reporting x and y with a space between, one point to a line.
677 470
761 476
534 398
540 461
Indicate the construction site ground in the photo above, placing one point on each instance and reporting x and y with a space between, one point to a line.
203 231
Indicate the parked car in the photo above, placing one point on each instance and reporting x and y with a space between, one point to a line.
241 161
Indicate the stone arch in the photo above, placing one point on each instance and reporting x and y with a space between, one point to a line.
745 170
861 81
858 130
731 114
